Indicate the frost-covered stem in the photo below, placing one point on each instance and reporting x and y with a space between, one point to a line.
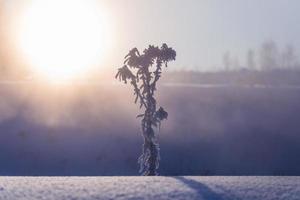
151 150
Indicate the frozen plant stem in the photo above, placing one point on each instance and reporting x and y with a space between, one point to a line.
143 71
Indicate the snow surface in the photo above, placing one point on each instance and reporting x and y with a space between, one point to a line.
134 188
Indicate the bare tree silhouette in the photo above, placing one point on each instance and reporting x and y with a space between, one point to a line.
227 62
269 55
138 70
289 57
251 65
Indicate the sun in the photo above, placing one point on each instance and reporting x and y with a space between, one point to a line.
63 39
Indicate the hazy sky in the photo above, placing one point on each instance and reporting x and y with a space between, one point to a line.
202 30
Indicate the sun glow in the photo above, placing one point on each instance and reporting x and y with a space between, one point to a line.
63 39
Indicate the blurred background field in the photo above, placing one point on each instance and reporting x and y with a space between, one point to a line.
91 129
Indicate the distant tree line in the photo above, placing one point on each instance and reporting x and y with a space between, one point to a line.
268 57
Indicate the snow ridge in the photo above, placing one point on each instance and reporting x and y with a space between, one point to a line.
185 188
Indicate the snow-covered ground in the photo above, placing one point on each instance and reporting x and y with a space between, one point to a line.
200 188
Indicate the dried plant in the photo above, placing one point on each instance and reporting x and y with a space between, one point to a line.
143 71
